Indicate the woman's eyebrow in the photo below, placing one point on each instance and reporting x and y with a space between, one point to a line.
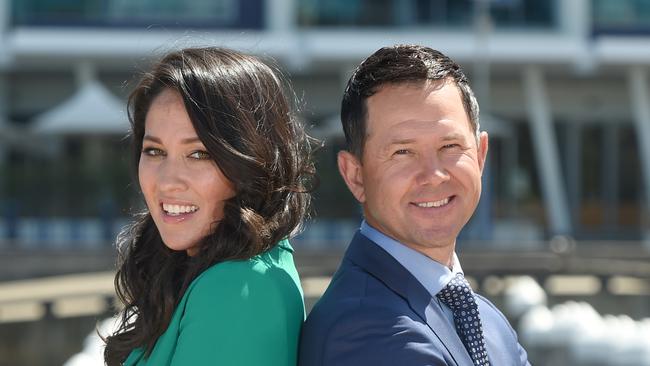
186 141
190 140
152 139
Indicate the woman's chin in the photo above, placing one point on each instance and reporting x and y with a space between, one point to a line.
181 245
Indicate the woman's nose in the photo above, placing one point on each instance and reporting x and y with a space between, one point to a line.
172 176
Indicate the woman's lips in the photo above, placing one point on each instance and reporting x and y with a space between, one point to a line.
173 212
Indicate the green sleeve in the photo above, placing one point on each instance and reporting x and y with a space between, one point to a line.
240 313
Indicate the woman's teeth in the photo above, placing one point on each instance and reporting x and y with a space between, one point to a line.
178 209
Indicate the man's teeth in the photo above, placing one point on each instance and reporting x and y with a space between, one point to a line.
434 204
178 209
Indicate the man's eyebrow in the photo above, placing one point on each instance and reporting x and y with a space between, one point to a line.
405 141
399 141
453 136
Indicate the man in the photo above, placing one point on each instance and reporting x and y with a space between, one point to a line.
414 162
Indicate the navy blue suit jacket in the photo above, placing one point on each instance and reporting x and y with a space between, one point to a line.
375 312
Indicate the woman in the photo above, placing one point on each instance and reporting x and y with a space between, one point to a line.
206 273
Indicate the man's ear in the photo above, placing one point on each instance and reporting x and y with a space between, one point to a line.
350 169
482 150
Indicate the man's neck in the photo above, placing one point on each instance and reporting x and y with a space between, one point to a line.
442 253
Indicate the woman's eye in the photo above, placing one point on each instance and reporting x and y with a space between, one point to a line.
152 151
200 155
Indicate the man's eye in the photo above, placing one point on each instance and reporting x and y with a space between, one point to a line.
152 151
200 155
450 146
402 152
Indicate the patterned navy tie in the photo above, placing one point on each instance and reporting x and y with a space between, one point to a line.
459 297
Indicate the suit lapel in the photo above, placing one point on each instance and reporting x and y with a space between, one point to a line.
381 265
426 307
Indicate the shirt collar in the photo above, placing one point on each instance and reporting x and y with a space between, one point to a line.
432 275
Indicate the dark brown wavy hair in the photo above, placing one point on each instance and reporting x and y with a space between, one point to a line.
241 112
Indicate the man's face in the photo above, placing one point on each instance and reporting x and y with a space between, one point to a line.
419 180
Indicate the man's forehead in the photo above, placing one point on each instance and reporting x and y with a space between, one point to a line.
410 131
427 84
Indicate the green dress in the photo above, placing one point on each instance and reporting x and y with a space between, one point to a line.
235 313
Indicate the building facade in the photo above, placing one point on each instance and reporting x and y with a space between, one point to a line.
563 88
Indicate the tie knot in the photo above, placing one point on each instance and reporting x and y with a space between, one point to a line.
457 294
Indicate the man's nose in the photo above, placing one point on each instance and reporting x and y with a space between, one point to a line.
432 171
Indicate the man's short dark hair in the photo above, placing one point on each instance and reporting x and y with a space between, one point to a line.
394 65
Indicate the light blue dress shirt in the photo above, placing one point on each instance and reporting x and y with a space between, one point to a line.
432 275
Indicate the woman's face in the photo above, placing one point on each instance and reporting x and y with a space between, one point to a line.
182 185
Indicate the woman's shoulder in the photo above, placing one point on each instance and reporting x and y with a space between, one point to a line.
277 259
268 274
241 312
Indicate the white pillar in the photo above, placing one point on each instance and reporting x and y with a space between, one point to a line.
5 22
640 96
575 21
575 17
84 73
280 15
546 152
281 21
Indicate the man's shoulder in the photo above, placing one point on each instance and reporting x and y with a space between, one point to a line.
359 309
356 295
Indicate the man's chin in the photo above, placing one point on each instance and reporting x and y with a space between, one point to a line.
435 238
